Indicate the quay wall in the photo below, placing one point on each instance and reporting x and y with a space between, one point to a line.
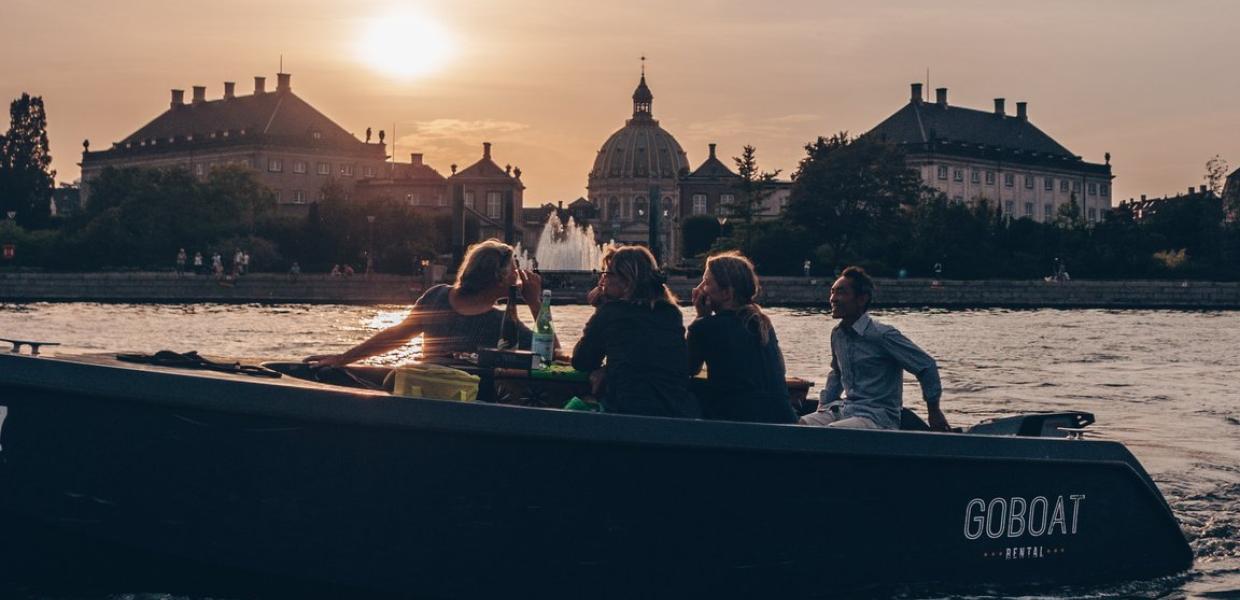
572 288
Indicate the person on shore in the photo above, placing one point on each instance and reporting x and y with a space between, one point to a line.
294 272
734 338
181 259
460 317
637 327
867 363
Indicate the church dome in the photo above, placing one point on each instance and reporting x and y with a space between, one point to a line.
641 149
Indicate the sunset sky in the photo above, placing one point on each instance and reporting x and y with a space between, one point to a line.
1153 83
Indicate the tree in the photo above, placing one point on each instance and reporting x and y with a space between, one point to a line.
848 194
699 233
752 189
1216 174
26 177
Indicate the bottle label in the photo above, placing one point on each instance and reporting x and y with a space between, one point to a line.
543 345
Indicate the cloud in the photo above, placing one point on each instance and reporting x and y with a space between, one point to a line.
438 129
740 124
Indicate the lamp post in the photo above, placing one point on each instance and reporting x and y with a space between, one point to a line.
370 243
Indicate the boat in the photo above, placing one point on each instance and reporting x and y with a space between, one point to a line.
358 488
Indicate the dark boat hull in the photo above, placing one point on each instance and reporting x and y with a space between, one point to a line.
464 500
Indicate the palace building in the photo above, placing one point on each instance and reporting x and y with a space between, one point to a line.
972 155
292 147
636 159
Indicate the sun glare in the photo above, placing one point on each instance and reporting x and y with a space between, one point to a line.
405 45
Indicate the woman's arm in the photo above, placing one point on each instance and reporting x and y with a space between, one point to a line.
696 343
591 348
382 342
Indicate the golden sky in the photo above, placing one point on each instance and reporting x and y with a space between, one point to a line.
1153 83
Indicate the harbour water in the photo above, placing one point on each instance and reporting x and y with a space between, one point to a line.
1165 383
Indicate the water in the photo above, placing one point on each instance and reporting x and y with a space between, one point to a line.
564 247
1162 382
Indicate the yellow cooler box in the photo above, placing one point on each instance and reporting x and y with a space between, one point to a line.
435 381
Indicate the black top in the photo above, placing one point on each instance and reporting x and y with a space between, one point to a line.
647 363
446 331
745 380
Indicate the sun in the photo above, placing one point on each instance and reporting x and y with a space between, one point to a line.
405 45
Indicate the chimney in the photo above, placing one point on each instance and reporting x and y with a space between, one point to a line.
230 90
712 150
1022 111
1203 188
486 149
178 98
200 94
1143 197
282 82
415 159
260 85
915 93
940 96
999 110
1191 190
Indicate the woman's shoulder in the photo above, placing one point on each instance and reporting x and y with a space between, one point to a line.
436 295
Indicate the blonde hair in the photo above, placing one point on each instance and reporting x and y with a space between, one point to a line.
732 271
485 264
637 266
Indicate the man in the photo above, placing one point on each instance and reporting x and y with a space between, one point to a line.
867 360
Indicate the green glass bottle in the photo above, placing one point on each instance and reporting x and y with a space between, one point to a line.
544 332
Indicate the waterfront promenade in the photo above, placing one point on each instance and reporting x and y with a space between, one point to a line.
571 288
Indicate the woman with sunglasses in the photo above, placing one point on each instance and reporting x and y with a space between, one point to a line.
638 328
460 317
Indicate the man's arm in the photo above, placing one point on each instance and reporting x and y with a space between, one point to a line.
913 359
831 392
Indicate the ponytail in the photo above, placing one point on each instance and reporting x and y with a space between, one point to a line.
733 271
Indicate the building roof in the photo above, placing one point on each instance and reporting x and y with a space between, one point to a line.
923 122
641 149
486 168
278 116
712 168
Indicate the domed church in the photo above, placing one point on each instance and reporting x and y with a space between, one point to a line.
636 157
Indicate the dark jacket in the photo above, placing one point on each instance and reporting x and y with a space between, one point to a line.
647 364
745 379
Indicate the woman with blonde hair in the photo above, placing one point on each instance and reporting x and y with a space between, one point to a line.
460 317
735 339
638 328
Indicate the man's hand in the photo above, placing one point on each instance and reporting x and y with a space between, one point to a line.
938 421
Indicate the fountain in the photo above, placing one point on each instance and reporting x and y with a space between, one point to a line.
564 247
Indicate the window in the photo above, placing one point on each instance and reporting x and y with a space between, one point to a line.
1009 208
699 204
368 171
1028 182
613 208
942 172
1093 189
1093 215
316 135
1076 186
1009 180
495 205
726 201
1028 209
275 165
469 199
1104 189
1049 211
299 196
299 167
1063 185
325 169
346 170
439 201
957 175
279 194
1048 184
200 170
958 199
626 209
783 202
245 162
990 177
975 176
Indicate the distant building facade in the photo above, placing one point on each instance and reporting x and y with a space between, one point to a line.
971 155
1231 196
414 184
710 189
637 158
489 190
1144 208
292 147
